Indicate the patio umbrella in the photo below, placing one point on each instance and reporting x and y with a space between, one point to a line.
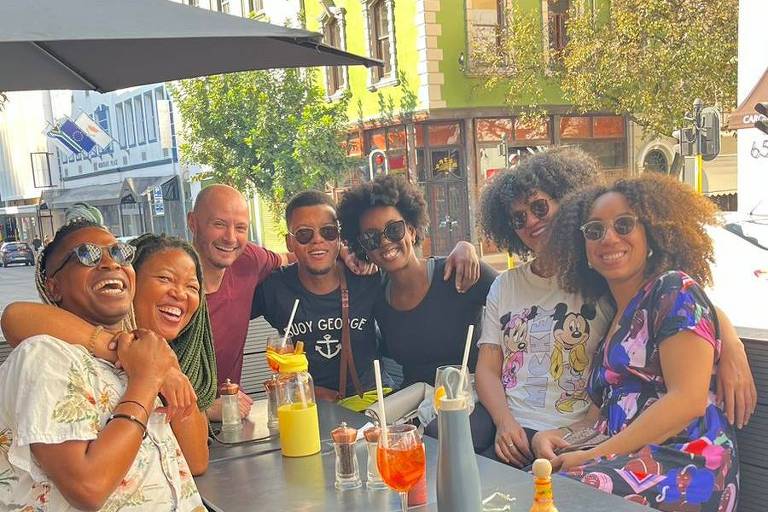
105 45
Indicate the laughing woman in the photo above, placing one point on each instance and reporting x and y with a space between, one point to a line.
168 301
642 241
75 431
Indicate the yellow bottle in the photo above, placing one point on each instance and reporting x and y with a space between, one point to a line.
297 409
542 495
299 429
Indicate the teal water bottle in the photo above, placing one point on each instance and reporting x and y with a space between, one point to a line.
458 479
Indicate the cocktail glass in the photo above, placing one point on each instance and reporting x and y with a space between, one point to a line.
401 460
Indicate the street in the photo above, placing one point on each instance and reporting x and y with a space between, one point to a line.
17 283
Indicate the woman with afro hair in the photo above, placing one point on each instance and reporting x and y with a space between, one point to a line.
538 339
642 243
423 319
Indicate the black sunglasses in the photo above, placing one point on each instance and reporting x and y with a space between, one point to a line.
539 207
305 235
90 255
394 231
595 230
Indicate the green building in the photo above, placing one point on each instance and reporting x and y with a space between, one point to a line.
448 139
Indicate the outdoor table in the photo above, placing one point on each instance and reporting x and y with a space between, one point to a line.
257 477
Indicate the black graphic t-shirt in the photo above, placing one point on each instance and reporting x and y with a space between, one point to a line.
318 322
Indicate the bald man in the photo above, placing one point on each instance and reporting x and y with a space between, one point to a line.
232 269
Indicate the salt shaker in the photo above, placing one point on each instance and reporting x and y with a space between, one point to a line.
375 482
230 410
347 472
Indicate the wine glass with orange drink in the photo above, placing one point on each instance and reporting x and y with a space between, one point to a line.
278 345
401 459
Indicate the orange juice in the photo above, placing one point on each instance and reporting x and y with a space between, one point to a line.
401 468
299 429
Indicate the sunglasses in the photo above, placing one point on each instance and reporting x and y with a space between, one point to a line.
595 230
305 235
394 231
539 208
89 255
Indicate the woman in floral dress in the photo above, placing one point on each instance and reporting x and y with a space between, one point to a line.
669 446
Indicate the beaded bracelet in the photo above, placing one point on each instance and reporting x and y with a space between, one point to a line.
129 417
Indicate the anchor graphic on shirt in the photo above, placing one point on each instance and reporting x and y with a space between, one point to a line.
329 353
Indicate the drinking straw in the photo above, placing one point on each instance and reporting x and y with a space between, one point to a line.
299 348
290 321
465 359
380 394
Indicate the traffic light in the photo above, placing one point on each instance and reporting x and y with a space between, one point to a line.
377 163
762 124
686 138
709 136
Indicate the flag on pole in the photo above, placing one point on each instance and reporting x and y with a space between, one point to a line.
92 129
70 129
63 139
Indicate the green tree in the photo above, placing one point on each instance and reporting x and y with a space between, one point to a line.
272 131
648 59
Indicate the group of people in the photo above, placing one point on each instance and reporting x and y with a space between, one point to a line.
108 393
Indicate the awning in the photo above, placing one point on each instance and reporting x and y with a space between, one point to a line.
97 195
112 44
745 116
28 209
101 195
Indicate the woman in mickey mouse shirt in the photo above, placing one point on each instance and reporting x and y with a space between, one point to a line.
538 340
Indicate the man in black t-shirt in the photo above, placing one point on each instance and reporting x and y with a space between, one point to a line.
313 236
318 323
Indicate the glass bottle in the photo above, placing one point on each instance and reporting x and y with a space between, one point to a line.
296 408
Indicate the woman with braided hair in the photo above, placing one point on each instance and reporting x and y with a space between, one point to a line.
169 301
77 431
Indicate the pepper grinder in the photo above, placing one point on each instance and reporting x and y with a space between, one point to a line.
375 482
230 410
347 472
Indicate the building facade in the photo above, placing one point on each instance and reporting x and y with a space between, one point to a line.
27 163
447 130
752 151
136 181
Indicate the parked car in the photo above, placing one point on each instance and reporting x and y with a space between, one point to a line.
16 252
752 226
740 278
